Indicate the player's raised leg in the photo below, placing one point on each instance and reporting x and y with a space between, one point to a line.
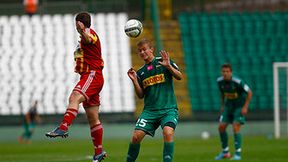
237 141
96 131
134 146
72 110
224 142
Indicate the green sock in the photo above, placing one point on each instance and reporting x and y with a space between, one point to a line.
224 141
168 151
133 152
237 142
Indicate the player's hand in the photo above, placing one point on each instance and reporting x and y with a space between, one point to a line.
80 27
244 111
221 110
132 74
165 59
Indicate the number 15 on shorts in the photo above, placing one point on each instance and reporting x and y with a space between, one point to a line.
141 122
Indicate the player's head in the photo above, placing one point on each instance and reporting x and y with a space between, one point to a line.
145 50
226 70
85 18
35 103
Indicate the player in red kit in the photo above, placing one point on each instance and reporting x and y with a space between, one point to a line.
89 65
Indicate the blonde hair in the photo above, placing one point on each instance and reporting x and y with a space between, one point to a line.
145 41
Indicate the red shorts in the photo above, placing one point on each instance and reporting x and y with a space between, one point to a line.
89 86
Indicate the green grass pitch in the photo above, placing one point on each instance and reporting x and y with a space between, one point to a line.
255 149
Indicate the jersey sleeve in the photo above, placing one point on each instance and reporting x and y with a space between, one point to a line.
244 86
139 79
219 81
219 86
93 37
174 65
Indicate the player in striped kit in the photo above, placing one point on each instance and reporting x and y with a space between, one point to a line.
89 65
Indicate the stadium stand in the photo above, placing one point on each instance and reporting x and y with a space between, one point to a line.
37 62
250 41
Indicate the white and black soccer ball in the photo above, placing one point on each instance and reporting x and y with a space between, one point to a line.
133 28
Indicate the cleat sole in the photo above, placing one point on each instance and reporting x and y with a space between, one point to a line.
54 136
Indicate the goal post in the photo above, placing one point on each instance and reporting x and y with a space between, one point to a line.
276 67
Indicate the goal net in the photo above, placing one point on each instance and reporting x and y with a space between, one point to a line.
280 84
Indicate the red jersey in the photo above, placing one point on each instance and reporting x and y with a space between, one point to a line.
88 56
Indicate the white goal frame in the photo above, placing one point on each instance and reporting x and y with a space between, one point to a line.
276 66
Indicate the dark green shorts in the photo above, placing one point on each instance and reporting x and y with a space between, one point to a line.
150 121
232 115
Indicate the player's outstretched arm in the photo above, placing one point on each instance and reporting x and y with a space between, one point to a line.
166 63
133 76
246 104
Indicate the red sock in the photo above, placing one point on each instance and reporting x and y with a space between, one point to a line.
69 116
96 134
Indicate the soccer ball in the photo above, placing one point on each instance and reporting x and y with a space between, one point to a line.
205 135
133 28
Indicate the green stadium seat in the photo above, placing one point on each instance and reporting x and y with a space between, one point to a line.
280 27
226 27
251 41
214 19
183 19
283 45
262 45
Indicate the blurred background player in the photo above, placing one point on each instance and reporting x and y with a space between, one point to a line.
89 65
235 99
30 120
30 7
154 83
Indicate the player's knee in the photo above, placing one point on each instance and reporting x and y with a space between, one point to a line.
73 97
136 138
76 97
168 135
168 132
222 128
236 128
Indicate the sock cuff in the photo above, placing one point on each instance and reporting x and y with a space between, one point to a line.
96 127
226 149
72 111
169 143
135 145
